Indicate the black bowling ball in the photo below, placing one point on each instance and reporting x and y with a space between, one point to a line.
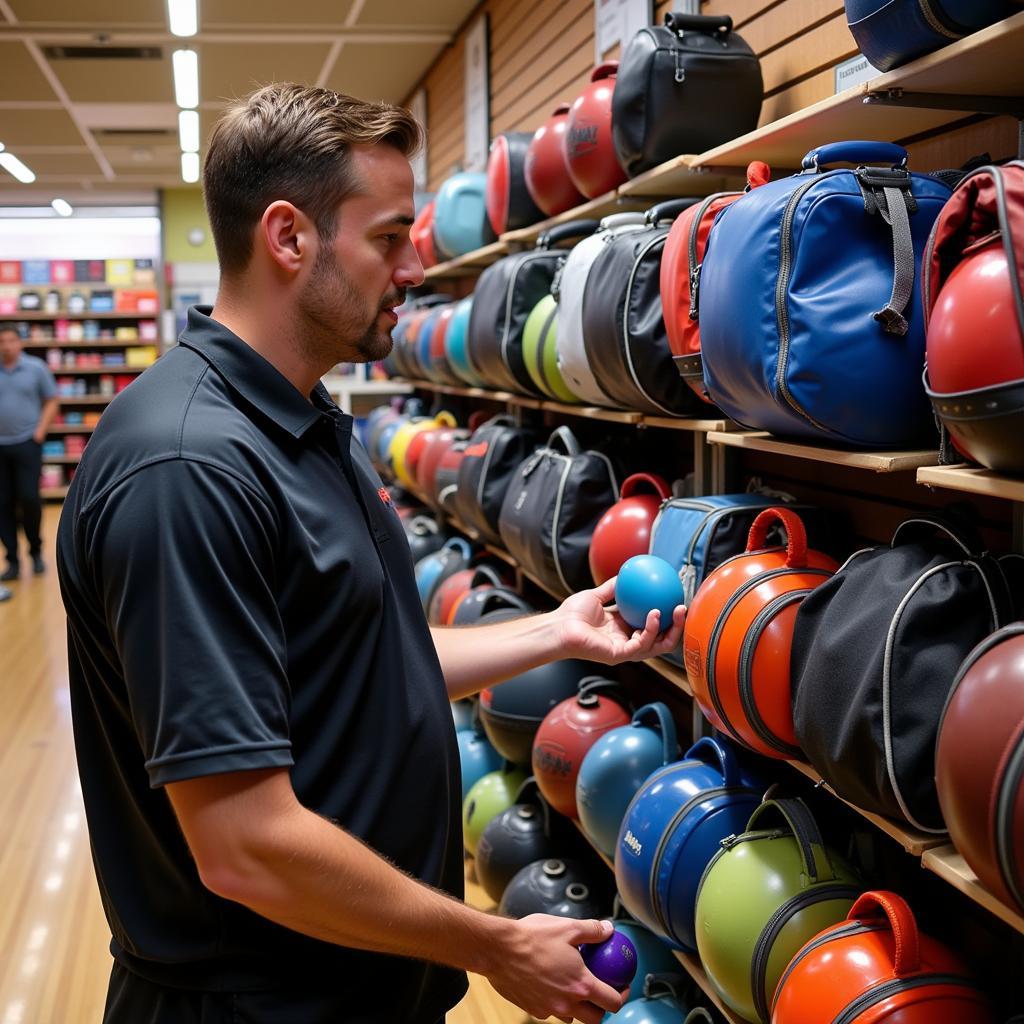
559 887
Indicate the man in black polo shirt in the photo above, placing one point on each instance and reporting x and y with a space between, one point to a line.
261 714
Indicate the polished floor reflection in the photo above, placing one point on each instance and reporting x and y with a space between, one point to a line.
53 936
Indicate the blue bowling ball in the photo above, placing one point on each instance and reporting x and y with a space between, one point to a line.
644 583
477 758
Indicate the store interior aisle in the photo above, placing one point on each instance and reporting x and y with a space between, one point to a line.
54 961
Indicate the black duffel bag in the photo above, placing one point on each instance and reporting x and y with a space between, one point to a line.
683 87
875 651
504 297
552 505
623 328
491 457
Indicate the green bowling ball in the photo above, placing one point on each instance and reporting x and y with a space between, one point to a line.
486 799
540 353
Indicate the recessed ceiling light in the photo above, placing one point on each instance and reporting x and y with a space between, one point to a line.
188 130
16 168
63 207
190 168
186 78
183 17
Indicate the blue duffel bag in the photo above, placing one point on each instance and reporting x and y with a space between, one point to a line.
892 32
672 828
810 315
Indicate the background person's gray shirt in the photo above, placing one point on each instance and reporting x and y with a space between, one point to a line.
23 390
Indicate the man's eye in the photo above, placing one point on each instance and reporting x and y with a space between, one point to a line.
391 238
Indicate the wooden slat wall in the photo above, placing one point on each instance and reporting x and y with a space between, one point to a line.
542 53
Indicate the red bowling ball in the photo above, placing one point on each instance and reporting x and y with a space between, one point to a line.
589 148
625 529
547 177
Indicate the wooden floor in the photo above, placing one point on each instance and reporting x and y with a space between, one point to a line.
53 937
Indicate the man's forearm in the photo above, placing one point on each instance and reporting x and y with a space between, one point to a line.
317 879
473 657
46 417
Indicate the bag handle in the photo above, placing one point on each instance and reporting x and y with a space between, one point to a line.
499 598
620 220
856 151
796 535
422 525
503 419
715 753
656 985
666 725
590 686
570 229
964 538
477 418
679 23
459 544
896 910
813 854
529 792
632 483
699 1013
670 209
609 69
567 441
485 574
445 419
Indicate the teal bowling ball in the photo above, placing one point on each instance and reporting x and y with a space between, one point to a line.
645 583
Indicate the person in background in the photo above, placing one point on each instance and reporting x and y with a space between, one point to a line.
266 748
28 403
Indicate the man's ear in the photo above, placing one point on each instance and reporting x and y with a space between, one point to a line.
287 235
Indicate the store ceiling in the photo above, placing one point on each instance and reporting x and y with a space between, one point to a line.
102 125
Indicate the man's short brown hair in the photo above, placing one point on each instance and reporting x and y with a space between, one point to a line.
291 142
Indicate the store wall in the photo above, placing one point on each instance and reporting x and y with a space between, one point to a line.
183 213
542 53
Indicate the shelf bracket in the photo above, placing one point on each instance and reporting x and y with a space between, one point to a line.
1011 106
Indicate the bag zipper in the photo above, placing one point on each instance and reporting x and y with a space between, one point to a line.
746 682
762 950
637 260
716 632
890 644
491 445
1006 842
781 311
850 1012
843 932
692 247
666 836
509 296
539 367
726 844
935 22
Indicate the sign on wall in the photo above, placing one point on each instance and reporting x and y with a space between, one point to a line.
418 109
618 21
477 111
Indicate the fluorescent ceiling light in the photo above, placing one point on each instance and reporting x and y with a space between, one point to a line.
182 17
16 168
188 130
186 78
63 207
190 168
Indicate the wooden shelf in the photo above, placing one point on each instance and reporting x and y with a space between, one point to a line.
671 423
878 462
71 371
472 262
25 315
681 176
945 862
62 460
914 842
973 480
335 383
58 493
98 343
70 428
595 209
86 399
673 673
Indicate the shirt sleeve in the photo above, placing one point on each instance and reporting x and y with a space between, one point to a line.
183 556
47 385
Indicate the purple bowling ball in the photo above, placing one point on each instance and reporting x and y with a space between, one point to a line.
613 961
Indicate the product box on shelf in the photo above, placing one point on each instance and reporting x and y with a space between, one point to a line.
145 273
53 449
120 271
10 272
62 271
148 330
30 302
101 301
8 302
126 333
144 355
51 476
35 271
74 445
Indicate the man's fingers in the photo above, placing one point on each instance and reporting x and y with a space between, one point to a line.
606 997
606 592
590 931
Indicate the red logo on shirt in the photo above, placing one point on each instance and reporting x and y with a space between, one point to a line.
385 496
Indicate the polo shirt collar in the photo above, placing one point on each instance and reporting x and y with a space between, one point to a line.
248 373
20 361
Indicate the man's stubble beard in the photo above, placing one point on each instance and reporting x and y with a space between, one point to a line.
336 323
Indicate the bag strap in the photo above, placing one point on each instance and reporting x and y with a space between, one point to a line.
485 574
670 209
593 685
896 910
571 229
656 985
632 483
699 1013
666 726
497 599
680 23
797 815
567 441
713 752
501 420
965 538
796 535
887 193
458 544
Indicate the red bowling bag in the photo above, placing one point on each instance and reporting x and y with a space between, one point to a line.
979 762
875 966
973 271
680 276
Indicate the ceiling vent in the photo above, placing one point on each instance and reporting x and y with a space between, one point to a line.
103 52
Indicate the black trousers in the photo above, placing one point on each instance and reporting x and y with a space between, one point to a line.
134 1000
19 496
